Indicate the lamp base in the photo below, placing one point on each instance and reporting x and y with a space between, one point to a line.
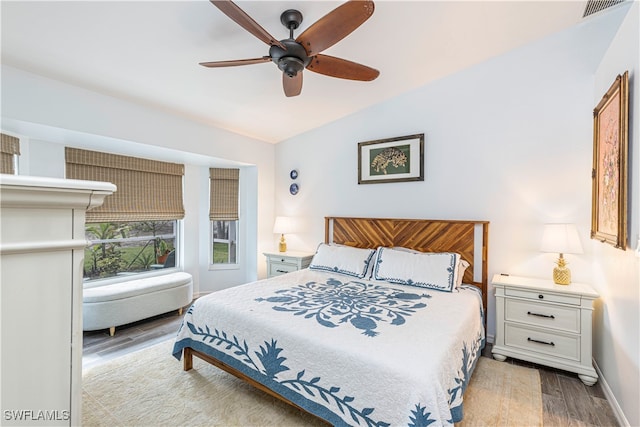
282 246
561 274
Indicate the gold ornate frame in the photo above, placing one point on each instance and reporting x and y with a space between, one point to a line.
609 174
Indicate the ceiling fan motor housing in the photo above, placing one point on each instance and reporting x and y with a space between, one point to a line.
293 55
292 60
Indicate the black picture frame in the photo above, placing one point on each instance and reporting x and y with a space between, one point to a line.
399 159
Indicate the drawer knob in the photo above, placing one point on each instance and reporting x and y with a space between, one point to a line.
281 271
540 296
548 316
541 342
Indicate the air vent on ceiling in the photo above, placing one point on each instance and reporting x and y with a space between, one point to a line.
595 6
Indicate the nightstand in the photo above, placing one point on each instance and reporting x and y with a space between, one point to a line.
544 323
285 262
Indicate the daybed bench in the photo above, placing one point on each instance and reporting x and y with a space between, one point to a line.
125 302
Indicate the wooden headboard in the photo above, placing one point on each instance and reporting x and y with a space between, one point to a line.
425 235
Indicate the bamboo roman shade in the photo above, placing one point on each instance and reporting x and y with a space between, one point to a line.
148 190
9 147
223 187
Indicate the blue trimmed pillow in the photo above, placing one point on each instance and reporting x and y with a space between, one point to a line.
342 259
433 270
462 265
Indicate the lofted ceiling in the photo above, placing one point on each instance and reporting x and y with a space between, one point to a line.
148 52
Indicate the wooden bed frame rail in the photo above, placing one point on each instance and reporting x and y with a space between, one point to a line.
188 354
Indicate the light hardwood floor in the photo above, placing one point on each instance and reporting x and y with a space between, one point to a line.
566 400
98 347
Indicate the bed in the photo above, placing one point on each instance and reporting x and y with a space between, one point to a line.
384 328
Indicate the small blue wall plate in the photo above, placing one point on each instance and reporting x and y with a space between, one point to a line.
293 189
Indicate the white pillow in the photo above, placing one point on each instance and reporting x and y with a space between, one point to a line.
434 270
342 259
462 265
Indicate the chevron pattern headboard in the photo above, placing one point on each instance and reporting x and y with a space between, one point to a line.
468 238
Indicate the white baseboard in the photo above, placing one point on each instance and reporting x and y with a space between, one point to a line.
491 339
617 410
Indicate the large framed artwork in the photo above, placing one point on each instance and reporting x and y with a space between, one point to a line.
609 174
398 159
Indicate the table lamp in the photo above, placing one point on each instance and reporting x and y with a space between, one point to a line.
562 239
282 226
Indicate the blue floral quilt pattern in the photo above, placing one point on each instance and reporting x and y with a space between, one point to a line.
359 304
307 373
267 363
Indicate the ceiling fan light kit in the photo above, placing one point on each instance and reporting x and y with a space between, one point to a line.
292 56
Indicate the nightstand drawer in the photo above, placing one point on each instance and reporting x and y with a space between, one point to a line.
533 340
284 259
278 268
545 315
543 296
286 262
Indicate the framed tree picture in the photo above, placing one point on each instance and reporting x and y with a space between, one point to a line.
609 174
398 159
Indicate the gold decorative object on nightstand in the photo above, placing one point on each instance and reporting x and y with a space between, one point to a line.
282 226
562 239
561 274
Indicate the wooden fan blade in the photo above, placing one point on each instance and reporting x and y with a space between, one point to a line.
216 64
230 9
341 68
335 26
292 85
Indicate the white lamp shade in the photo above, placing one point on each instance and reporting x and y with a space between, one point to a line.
561 238
283 225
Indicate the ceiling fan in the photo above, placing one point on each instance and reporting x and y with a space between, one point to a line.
292 56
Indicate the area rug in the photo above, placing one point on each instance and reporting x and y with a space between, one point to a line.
149 388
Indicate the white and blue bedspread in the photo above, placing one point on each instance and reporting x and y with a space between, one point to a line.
352 352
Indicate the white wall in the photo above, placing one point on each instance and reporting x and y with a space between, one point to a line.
48 115
616 273
509 141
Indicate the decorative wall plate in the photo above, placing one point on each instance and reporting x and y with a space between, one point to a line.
293 189
293 174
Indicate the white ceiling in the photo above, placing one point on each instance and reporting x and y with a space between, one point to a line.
148 52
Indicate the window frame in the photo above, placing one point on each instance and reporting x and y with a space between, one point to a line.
224 266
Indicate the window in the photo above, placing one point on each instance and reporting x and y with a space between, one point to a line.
9 151
225 242
127 248
134 231
223 214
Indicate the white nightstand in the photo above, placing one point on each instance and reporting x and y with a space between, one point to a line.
541 322
285 262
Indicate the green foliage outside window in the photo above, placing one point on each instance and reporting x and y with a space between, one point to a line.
126 248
